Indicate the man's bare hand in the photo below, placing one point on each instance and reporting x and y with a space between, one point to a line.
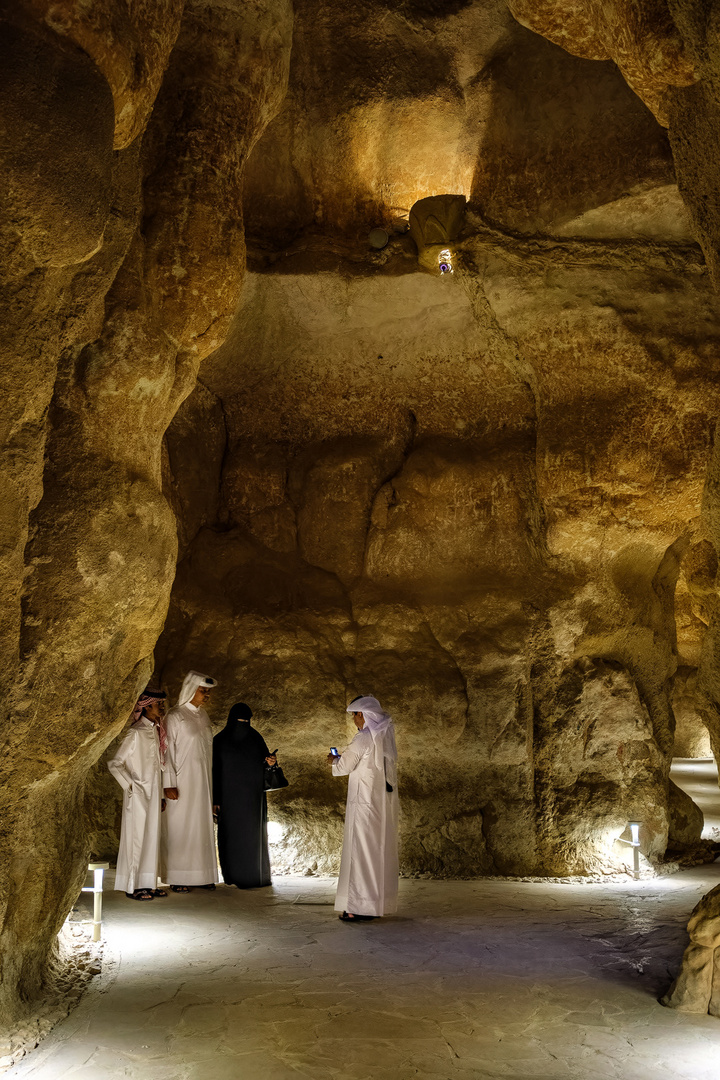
170 793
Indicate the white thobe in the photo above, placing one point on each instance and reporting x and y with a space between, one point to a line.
368 882
188 835
136 766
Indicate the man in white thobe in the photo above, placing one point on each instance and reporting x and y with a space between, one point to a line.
137 766
188 836
368 882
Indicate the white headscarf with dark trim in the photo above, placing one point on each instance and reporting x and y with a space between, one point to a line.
380 725
193 680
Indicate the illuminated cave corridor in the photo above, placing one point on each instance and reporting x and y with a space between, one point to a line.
369 347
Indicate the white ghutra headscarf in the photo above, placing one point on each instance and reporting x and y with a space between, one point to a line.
380 725
193 680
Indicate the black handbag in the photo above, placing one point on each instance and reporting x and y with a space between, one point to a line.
274 776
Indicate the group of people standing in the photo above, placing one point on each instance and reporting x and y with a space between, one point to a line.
177 779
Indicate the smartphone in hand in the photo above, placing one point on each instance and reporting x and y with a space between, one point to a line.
334 750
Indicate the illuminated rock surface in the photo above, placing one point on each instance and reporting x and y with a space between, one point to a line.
490 498
697 987
486 532
119 273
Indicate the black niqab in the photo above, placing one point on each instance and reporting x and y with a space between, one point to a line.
239 753
239 711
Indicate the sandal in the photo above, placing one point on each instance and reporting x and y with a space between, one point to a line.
180 888
158 892
347 916
210 887
140 894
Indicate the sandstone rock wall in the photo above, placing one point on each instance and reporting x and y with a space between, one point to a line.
667 51
473 497
432 98
697 986
121 271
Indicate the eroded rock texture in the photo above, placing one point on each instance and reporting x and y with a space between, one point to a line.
697 986
121 272
486 531
668 52
491 498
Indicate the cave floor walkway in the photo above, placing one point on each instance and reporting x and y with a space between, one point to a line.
475 979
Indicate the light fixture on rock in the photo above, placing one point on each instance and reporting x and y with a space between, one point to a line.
435 224
445 261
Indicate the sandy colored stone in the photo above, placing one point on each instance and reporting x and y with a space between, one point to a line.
492 500
529 177
130 46
685 823
55 146
93 318
508 587
643 40
457 101
194 446
692 739
695 990
668 54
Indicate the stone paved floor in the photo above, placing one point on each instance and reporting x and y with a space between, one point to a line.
486 979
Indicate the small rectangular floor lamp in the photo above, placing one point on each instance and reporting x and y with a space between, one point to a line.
634 827
98 868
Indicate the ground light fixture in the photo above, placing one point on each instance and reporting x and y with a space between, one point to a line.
276 831
634 843
98 869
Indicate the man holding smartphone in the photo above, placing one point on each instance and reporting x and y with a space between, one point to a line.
368 881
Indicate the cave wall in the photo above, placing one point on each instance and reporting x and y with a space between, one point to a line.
473 497
430 98
478 497
123 137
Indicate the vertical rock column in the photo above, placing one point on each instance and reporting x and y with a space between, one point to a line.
697 987
103 541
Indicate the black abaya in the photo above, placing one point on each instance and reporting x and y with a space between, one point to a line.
239 753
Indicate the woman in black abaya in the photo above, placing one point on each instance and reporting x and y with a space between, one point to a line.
239 758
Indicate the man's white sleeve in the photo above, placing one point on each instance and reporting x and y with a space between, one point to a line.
118 764
169 776
350 757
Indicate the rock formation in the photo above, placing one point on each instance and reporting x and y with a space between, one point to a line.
668 52
488 535
697 987
121 271
488 496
